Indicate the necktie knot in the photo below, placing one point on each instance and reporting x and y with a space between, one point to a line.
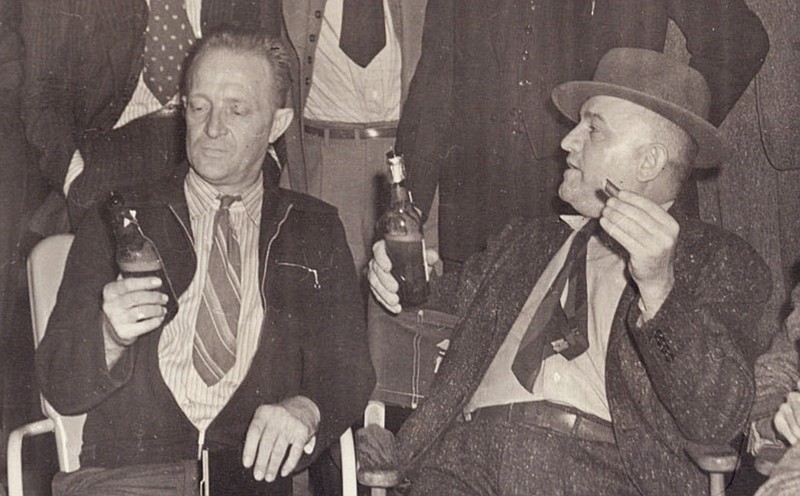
225 201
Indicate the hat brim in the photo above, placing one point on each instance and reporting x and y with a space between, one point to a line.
712 151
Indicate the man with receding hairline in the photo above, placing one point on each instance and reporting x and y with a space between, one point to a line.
265 363
591 350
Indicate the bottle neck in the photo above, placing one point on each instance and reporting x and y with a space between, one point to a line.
400 194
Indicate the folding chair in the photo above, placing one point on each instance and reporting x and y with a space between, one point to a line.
45 270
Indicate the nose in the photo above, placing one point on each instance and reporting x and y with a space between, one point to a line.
215 125
571 142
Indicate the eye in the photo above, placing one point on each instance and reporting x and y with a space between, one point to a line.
239 109
197 106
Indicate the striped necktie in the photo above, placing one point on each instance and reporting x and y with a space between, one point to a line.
168 40
214 350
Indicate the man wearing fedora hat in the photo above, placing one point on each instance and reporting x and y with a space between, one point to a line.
588 355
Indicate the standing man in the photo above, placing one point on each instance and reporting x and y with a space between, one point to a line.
356 58
479 124
591 350
265 362
101 100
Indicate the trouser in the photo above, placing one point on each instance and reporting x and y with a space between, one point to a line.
351 175
166 479
489 457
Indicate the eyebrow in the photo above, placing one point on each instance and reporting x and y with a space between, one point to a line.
587 114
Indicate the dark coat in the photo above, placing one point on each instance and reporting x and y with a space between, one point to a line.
478 121
685 376
313 340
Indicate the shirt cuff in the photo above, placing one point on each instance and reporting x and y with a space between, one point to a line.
73 171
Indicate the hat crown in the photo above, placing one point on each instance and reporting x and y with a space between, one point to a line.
657 75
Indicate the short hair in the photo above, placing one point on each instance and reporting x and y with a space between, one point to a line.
248 41
681 147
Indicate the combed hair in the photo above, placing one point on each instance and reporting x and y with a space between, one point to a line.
248 41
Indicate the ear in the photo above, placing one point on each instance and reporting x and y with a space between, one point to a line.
280 122
654 160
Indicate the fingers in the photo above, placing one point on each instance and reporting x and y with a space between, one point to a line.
638 224
274 432
381 282
133 306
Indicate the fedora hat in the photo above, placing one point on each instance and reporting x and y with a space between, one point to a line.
657 82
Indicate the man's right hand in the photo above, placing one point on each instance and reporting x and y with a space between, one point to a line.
787 419
384 286
133 306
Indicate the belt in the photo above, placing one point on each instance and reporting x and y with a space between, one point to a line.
352 132
548 416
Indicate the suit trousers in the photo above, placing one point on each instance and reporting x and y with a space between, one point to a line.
351 175
494 458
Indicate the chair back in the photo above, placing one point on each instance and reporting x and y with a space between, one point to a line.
45 270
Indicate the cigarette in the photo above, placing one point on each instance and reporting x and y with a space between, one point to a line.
611 189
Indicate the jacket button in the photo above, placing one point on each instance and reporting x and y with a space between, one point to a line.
310 59
312 37
528 29
318 14
308 81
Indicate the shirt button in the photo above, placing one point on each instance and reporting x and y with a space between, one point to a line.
318 14
312 37
528 29
557 377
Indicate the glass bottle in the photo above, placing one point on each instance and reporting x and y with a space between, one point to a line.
136 254
401 228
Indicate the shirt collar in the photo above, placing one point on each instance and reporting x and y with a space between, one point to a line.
203 198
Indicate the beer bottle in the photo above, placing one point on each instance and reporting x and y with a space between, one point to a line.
401 228
136 254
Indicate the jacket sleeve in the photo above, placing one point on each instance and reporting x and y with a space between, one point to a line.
424 134
778 370
337 372
700 347
727 43
48 105
70 361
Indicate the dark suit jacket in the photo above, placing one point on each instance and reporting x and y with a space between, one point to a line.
478 121
685 377
313 340
82 64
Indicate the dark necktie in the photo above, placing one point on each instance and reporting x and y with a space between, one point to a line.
214 348
553 328
168 40
363 33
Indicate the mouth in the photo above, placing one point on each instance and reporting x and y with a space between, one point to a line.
211 151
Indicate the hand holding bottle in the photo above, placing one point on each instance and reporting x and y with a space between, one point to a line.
133 306
382 283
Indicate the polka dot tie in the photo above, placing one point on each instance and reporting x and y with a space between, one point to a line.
168 39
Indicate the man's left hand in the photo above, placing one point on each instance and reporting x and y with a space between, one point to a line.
288 425
649 234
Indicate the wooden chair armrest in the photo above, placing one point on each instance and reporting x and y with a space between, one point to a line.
377 461
714 458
